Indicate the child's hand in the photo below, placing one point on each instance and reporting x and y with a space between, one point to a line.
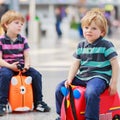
67 83
14 67
113 89
25 68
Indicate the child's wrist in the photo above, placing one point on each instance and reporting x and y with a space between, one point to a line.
27 66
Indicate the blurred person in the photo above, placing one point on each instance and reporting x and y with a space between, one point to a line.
58 22
75 29
73 23
95 65
14 50
27 17
80 30
107 15
63 12
3 8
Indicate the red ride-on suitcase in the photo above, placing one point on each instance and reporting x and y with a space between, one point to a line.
73 105
20 93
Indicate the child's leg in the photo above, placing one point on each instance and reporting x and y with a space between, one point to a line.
36 84
39 104
94 89
5 77
59 97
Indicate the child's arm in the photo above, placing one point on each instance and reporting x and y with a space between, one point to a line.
12 66
115 73
72 72
26 59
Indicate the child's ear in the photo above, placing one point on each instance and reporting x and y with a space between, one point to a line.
5 25
102 33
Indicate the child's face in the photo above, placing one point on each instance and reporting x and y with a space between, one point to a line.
92 32
14 27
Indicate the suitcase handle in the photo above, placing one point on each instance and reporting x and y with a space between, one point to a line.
19 66
72 103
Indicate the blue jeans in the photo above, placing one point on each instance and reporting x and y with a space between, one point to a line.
5 78
94 88
58 29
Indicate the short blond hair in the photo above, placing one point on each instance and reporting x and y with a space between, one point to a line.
10 16
95 15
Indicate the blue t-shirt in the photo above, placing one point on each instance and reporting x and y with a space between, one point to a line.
95 59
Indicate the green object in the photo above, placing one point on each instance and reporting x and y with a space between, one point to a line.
74 25
37 18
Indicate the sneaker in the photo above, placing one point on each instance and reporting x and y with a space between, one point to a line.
42 107
58 118
2 109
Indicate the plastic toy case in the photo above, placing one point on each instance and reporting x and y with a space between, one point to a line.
109 105
20 94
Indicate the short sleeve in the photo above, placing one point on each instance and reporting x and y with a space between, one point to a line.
110 51
77 52
26 46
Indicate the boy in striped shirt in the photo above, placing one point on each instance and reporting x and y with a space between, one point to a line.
95 65
14 50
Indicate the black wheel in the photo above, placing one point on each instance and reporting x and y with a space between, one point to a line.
116 117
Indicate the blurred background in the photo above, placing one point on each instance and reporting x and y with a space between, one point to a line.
46 13
53 30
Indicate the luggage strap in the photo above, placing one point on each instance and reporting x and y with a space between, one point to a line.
72 104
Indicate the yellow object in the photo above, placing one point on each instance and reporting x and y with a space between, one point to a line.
1 30
68 103
109 7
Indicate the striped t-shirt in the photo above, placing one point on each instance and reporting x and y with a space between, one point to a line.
95 59
13 51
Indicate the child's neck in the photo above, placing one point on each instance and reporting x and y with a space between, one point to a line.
13 37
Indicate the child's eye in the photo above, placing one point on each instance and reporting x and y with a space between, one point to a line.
94 28
86 27
16 22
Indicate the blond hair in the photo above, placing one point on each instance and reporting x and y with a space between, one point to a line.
95 15
10 16
1 30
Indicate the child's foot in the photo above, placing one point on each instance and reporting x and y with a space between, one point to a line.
42 107
58 118
2 109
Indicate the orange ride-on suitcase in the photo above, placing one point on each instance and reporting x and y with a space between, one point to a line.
20 94
73 105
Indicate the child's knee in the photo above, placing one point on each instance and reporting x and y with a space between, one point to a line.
5 73
89 93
